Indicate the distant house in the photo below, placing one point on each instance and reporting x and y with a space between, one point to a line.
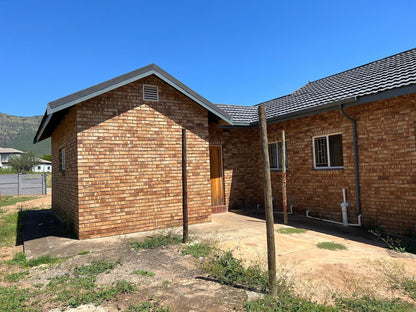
116 150
5 154
41 166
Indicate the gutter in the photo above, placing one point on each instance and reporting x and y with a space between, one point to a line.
357 176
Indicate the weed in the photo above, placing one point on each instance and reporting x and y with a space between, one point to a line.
156 241
15 277
9 227
20 259
83 253
291 231
143 273
369 304
15 299
197 250
95 268
409 287
148 306
331 246
392 243
230 270
285 303
165 283
12 200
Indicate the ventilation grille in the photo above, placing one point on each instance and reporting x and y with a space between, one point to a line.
150 93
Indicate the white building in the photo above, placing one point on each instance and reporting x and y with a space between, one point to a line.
5 153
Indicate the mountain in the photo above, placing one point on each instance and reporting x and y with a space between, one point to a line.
18 132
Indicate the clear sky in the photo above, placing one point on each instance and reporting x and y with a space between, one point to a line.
234 52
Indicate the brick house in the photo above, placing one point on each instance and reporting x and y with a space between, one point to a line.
117 150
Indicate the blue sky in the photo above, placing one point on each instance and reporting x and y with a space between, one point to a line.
234 52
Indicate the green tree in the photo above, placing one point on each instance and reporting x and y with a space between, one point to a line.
47 157
22 163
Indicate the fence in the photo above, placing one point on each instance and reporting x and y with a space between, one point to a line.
23 184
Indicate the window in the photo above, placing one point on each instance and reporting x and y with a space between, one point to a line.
327 151
62 159
38 167
150 93
276 155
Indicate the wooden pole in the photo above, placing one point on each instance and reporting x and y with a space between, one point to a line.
284 190
271 249
184 189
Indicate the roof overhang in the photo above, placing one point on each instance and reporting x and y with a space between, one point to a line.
89 93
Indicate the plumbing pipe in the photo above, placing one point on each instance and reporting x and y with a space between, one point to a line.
357 176
326 220
344 207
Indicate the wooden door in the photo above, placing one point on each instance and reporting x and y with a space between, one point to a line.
217 190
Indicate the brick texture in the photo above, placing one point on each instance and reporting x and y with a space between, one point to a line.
127 161
387 158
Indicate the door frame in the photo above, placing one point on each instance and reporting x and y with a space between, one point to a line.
222 172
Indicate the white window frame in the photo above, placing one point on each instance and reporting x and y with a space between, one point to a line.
277 156
157 92
328 152
63 164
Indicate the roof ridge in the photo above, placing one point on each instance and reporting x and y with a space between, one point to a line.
357 67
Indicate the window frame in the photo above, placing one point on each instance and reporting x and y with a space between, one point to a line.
62 160
277 156
326 136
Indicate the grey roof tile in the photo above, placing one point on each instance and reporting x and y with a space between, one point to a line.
392 72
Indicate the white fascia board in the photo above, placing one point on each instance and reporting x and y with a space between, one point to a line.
191 96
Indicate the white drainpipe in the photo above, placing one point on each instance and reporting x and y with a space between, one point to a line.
344 206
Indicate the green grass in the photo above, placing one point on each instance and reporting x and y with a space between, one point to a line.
289 231
331 246
9 227
95 268
156 241
83 253
143 273
409 287
197 250
368 304
230 270
12 200
148 306
80 287
285 303
15 277
14 299
21 260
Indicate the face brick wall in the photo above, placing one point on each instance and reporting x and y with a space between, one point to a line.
387 158
64 184
129 161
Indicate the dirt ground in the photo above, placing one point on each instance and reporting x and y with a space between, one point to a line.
179 282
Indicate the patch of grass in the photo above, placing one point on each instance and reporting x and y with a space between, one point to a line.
21 260
143 273
12 200
368 304
291 231
148 306
9 226
197 250
95 268
392 243
285 303
156 241
230 270
331 246
409 287
83 253
15 277
15 299
80 287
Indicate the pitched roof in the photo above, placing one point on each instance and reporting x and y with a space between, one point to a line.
55 108
396 73
9 150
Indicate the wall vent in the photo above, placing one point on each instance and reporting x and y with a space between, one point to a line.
150 93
